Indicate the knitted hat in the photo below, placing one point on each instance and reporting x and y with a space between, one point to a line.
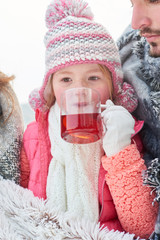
74 38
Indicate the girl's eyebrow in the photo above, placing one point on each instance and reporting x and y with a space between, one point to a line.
94 70
63 72
70 72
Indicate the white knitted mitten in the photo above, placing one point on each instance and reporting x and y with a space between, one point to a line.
118 126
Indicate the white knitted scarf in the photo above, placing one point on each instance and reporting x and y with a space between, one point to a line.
72 183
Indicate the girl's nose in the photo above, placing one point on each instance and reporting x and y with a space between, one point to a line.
80 84
140 17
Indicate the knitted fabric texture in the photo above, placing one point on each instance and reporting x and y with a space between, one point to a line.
72 183
74 38
11 131
129 179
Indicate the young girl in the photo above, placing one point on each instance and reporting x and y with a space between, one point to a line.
99 181
11 130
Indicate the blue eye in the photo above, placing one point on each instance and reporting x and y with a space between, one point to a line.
66 79
93 78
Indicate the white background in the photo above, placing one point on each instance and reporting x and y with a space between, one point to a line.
22 28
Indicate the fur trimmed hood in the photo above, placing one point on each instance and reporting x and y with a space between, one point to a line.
25 217
11 131
143 72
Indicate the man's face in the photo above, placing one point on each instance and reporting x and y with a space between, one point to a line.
146 18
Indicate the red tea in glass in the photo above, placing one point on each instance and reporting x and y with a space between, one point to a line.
81 128
80 114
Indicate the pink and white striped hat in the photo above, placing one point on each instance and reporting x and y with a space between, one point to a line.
74 38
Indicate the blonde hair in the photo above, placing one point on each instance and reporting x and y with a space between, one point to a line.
4 80
49 93
108 77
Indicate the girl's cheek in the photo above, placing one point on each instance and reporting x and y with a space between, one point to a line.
103 100
104 96
58 96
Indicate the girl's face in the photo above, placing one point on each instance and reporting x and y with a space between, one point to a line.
81 75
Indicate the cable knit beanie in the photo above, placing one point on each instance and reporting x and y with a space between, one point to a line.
74 38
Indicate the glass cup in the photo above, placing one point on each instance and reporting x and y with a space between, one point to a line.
81 116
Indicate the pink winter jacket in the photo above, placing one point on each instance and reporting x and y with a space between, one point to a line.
125 204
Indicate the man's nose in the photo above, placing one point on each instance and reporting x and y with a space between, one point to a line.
140 17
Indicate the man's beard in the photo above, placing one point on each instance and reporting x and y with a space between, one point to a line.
154 47
154 52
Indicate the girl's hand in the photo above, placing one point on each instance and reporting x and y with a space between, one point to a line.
118 126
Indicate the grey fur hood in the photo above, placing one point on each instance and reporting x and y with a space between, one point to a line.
143 72
11 132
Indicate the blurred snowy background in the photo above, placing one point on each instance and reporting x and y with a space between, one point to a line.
21 39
